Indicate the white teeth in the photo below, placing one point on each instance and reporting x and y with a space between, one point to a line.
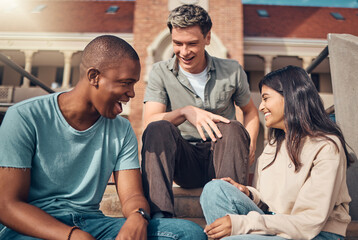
267 114
187 59
124 103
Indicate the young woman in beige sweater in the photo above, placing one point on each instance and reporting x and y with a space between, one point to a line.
299 189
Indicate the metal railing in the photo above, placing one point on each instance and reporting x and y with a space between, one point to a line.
318 60
314 64
24 73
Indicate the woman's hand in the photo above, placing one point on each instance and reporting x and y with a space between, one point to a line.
219 229
242 188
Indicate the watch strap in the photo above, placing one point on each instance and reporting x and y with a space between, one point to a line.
144 214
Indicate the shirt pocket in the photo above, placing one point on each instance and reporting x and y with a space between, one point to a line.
223 100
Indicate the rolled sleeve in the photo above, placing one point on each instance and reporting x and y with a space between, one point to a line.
242 94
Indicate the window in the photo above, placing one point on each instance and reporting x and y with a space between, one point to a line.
1 74
112 9
337 16
315 80
59 77
262 13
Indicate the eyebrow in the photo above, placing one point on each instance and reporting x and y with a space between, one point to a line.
127 79
264 94
193 41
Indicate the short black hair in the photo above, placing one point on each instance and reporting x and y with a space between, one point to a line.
104 51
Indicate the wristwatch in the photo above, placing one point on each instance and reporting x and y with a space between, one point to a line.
144 214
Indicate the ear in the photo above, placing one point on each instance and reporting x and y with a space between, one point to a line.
208 38
93 76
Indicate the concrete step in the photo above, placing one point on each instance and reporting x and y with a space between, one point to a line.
186 203
186 206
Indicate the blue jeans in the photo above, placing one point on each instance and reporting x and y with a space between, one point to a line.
106 228
220 198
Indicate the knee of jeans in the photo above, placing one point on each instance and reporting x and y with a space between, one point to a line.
158 127
211 191
233 129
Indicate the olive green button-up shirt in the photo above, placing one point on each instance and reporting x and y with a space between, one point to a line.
226 86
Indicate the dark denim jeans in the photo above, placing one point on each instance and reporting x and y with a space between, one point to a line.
107 228
220 198
168 157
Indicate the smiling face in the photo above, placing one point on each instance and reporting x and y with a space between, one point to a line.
114 86
272 105
189 47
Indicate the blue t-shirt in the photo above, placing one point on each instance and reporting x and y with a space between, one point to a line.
69 168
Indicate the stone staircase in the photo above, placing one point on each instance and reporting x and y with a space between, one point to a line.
186 205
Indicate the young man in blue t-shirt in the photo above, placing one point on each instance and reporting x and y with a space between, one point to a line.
58 152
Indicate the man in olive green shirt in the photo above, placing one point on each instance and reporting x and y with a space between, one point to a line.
195 94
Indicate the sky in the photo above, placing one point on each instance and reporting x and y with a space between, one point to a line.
311 3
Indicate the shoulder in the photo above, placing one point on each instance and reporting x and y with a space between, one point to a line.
33 105
328 143
165 64
231 63
322 149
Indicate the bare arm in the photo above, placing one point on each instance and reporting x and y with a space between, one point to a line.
201 119
130 192
251 123
155 111
24 218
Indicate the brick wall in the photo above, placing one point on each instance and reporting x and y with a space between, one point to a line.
227 18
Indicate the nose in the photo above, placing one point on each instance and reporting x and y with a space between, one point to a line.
131 93
262 107
184 51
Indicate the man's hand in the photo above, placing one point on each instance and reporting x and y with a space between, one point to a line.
219 229
242 188
135 227
202 119
129 189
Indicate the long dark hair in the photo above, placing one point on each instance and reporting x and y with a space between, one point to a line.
304 114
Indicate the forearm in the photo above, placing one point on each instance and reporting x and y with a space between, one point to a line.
30 220
251 123
176 117
133 203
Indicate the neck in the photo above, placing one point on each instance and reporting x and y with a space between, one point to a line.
77 109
